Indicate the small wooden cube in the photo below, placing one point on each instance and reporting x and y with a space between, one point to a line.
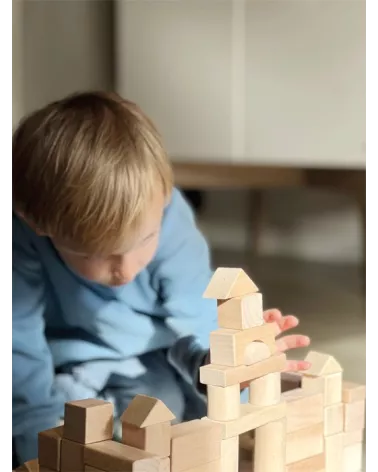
155 439
72 456
241 312
88 421
333 449
330 385
49 446
353 458
354 416
353 392
333 419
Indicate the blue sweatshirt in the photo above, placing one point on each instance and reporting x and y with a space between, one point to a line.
60 318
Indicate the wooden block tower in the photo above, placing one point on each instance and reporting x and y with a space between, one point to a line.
243 350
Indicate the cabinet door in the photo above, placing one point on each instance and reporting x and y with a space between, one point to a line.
267 82
305 97
174 59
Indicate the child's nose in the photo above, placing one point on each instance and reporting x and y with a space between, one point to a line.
126 270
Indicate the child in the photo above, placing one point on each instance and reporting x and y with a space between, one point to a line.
109 268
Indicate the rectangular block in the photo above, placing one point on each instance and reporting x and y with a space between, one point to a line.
329 385
333 419
72 456
88 421
354 416
224 376
333 450
353 437
49 445
89 468
353 392
194 443
270 447
241 312
353 458
214 466
229 346
155 439
116 457
230 455
303 409
304 443
312 464
251 418
223 403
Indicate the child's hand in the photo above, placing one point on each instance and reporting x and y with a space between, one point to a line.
285 343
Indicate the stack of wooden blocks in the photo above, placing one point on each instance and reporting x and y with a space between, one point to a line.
316 425
325 419
243 351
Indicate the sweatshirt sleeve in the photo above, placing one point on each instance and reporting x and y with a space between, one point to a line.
182 271
36 404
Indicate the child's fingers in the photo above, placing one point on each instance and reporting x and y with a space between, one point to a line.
295 366
272 315
288 322
291 342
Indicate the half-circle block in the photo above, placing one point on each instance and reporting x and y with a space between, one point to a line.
229 283
228 346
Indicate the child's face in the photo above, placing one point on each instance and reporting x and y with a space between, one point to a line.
125 263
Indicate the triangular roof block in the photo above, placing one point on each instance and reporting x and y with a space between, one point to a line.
146 411
229 282
321 364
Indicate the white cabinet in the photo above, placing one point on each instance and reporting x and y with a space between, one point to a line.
263 82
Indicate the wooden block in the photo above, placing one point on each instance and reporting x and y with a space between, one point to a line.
256 352
329 385
322 364
229 346
291 381
155 439
265 390
72 456
353 392
304 443
223 403
89 468
229 283
251 418
354 416
214 466
303 409
353 437
312 464
270 447
88 421
223 376
241 312
116 457
194 443
29 466
146 411
230 455
333 419
353 458
333 450
49 445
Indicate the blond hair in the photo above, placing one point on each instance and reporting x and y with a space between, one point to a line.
85 169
